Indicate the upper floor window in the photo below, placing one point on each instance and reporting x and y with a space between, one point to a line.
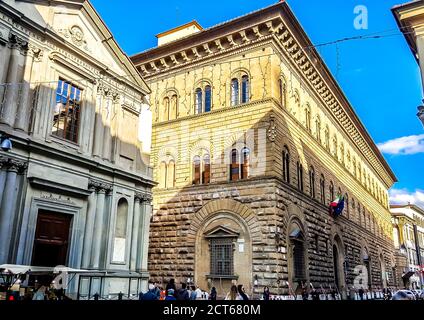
312 182
283 92
67 111
240 90
286 164
318 128
322 188
327 137
331 191
167 174
240 164
203 102
169 109
201 168
308 117
300 176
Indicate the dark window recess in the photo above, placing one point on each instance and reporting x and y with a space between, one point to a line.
222 259
67 111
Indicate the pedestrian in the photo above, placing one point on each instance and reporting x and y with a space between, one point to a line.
242 293
171 285
233 294
361 293
40 294
265 295
305 293
157 290
193 294
170 295
199 294
182 293
213 294
150 295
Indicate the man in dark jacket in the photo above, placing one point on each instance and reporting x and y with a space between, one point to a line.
182 293
150 295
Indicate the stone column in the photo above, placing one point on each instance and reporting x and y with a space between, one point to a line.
145 229
8 209
89 225
25 103
3 174
98 227
8 113
99 126
135 232
107 136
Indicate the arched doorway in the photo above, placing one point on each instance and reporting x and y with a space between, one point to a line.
383 272
366 260
223 254
338 265
297 262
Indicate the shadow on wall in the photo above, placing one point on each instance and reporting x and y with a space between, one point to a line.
238 218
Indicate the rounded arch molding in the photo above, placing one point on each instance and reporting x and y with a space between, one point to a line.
227 206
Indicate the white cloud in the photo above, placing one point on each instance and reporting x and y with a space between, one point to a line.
403 146
403 196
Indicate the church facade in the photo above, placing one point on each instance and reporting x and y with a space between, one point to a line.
252 140
75 190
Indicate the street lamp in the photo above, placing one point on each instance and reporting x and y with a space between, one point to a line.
420 114
5 142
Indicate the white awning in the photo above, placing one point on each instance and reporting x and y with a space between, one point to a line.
20 269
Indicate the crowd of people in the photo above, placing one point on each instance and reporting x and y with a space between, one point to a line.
185 292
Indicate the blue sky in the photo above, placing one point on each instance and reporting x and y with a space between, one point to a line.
380 77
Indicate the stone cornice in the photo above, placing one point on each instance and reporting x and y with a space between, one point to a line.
281 27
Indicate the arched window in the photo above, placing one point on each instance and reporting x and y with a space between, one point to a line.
331 191
203 99
167 174
120 231
312 182
170 180
196 170
165 114
367 263
335 146
327 137
286 164
245 89
283 92
245 163
346 199
199 101
300 176
240 164
235 92
318 128
308 118
296 109
234 166
354 168
298 253
206 170
208 98
162 174
173 112
359 214
322 188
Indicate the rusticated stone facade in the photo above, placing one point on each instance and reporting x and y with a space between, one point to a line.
252 140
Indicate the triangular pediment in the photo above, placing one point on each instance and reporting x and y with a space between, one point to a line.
81 27
221 232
